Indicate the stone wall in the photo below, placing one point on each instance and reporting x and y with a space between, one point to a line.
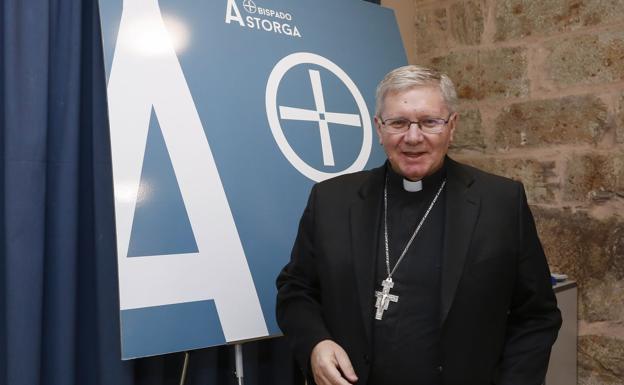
542 101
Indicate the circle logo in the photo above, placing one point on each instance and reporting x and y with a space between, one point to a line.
277 113
249 6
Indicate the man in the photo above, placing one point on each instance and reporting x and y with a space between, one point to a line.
422 271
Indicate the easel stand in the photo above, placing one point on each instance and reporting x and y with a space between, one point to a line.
184 368
238 359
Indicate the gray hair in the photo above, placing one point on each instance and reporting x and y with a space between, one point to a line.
410 76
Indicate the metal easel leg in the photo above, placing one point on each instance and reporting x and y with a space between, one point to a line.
238 352
184 368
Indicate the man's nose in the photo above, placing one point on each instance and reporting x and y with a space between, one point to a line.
413 134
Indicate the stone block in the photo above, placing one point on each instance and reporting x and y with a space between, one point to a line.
619 128
586 59
431 30
542 123
520 18
601 360
598 295
594 177
591 251
486 74
468 134
588 377
538 177
467 21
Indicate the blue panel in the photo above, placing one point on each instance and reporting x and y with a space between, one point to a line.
170 328
110 16
226 67
161 224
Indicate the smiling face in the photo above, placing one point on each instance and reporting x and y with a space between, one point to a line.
415 154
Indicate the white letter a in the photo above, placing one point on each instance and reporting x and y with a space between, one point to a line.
231 6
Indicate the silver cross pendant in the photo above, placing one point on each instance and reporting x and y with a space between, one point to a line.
384 298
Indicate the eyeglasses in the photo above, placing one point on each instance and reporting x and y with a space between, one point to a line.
427 125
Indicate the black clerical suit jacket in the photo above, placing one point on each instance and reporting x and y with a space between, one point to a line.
499 316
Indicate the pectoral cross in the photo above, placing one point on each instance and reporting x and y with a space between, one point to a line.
384 297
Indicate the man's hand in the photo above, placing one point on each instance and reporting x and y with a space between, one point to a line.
331 365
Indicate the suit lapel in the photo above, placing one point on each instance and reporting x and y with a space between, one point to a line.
462 209
364 222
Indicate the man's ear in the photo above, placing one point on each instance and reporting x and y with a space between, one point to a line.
377 122
452 125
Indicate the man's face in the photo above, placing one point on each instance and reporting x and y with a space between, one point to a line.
415 154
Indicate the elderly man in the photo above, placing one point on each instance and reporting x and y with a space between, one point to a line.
422 271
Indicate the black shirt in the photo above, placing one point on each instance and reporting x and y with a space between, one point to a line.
406 340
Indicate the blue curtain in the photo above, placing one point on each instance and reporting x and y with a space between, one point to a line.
59 320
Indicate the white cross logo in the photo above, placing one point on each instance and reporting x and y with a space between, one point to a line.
249 6
319 115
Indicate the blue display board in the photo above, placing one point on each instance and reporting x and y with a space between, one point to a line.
223 114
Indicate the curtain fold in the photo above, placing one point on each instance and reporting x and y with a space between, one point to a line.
59 318
25 79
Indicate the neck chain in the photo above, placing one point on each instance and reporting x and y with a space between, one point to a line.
384 297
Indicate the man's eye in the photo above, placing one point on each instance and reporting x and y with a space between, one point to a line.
398 123
430 123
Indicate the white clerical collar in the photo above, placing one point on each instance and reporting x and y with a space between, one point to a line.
412 186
